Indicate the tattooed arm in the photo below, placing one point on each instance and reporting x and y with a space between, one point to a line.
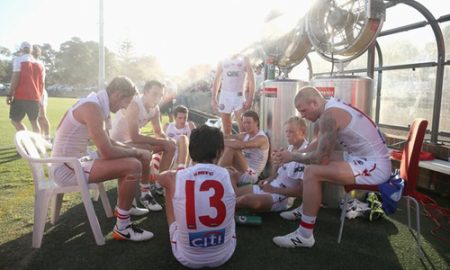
328 128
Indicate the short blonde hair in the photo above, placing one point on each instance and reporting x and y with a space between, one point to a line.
298 122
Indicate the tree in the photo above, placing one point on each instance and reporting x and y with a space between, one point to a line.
77 62
5 64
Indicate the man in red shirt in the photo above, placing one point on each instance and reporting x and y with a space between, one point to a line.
27 85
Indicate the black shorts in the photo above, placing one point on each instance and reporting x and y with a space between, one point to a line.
21 107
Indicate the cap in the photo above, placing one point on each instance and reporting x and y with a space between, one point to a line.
24 45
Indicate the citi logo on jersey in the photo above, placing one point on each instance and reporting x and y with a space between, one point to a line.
207 238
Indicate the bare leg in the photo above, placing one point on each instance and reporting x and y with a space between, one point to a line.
129 172
35 126
226 123
238 116
234 158
183 150
18 125
256 202
43 122
167 180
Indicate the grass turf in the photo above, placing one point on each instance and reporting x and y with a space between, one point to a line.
69 244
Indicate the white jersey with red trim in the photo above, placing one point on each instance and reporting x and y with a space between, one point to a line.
204 206
290 173
72 137
256 157
361 137
173 132
120 132
233 74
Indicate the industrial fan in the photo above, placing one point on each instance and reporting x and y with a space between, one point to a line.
341 30
285 40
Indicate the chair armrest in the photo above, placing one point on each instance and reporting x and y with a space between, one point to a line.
70 160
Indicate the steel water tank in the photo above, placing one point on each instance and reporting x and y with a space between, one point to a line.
277 106
355 90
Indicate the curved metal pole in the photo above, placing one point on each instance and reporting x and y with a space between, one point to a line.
440 64
379 82
308 60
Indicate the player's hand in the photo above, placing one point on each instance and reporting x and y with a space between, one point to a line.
9 99
281 156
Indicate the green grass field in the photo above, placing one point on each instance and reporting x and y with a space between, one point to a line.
384 244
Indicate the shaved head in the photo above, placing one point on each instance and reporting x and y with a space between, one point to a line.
308 94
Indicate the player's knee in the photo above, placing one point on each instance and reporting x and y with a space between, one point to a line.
310 172
134 166
170 147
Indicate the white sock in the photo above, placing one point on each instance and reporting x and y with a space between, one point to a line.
306 226
123 218
145 189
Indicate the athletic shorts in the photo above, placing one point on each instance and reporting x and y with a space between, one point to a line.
250 176
279 201
230 102
65 174
21 107
179 254
369 171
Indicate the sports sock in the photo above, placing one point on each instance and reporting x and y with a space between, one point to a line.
154 163
145 189
123 218
306 226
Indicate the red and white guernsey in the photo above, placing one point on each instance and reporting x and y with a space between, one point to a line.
204 206
233 75
173 132
361 137
120 132
365 149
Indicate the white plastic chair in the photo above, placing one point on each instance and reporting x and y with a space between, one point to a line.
33 148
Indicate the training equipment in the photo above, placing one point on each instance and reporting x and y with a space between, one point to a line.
249 220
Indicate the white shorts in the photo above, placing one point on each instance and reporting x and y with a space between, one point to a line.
279 201
250 176
369 171
179 254
65 174
230 102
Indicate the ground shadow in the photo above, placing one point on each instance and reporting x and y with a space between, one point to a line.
8 154
70 245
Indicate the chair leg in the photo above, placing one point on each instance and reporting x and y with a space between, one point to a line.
56 207
41 203
418 234
105 201
93 221
344 208
95 195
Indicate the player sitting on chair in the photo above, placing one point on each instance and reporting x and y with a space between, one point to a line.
247 152
85 121
126 128
200 203
272 194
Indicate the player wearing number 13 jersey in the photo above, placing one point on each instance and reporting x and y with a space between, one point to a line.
200 204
